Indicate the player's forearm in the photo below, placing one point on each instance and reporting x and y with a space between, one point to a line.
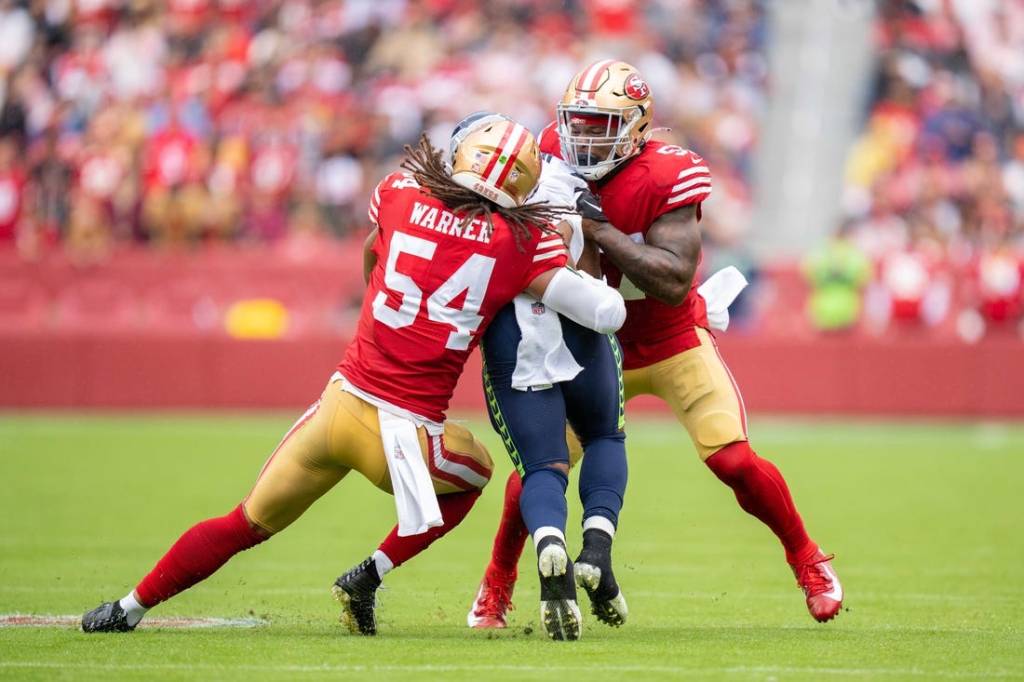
590 260
659 273
369 257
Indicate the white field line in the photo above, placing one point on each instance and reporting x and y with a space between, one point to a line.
443 668
937 597
27 620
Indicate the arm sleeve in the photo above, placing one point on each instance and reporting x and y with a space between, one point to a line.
586 301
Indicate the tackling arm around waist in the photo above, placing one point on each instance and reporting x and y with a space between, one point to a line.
583 299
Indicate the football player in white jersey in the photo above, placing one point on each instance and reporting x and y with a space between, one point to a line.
542 371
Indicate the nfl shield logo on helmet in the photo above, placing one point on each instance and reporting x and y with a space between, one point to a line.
636 87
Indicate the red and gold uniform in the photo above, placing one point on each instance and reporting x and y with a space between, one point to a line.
658 180
436 286
603 130
414 353
667 350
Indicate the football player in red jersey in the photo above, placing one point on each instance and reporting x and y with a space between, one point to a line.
451 248
642 211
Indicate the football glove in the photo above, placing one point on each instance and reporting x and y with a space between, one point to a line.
589 206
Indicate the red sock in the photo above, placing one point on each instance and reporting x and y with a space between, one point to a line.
197 555
512 532
762 492
454 507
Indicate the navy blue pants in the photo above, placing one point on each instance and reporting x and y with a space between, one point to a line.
532 423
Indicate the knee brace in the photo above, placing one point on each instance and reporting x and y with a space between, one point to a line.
718 428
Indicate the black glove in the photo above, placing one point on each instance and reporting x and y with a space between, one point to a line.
589 206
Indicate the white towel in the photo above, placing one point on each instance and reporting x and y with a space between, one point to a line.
542 358
719 291
415 500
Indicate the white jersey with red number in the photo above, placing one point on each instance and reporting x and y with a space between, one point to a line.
435 288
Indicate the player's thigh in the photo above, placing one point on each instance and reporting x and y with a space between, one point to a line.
698 388
457 460
531 423
595 398
355 439
636 382
297 473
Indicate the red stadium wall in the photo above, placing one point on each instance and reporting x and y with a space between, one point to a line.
136 332
828 375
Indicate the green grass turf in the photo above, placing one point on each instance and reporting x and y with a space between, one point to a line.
925 518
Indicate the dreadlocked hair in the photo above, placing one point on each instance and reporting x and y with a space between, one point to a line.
425 164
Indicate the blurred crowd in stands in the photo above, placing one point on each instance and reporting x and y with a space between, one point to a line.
196 121
934 200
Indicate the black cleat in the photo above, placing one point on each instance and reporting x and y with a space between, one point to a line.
108 617
559 612
356 591
594 574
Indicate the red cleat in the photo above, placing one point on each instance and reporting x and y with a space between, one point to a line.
820 585
493 600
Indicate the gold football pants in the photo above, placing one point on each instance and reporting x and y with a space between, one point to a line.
699 389
339 433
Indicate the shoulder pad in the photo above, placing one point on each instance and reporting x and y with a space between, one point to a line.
680 175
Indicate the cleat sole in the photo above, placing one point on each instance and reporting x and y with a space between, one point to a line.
347 617
561 619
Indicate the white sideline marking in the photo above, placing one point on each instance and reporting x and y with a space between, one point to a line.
29 620
442 668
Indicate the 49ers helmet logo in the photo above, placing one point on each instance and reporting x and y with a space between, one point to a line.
636 87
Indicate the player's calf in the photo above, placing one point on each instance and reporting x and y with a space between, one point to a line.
594 573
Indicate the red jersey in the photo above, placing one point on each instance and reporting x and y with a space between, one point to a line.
658 180
435 288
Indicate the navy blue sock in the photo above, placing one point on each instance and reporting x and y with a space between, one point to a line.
603 474
543 500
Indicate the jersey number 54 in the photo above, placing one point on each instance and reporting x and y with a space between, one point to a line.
473 276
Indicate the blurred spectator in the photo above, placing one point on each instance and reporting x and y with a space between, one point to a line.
207 120
837 273
12 190
935 184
